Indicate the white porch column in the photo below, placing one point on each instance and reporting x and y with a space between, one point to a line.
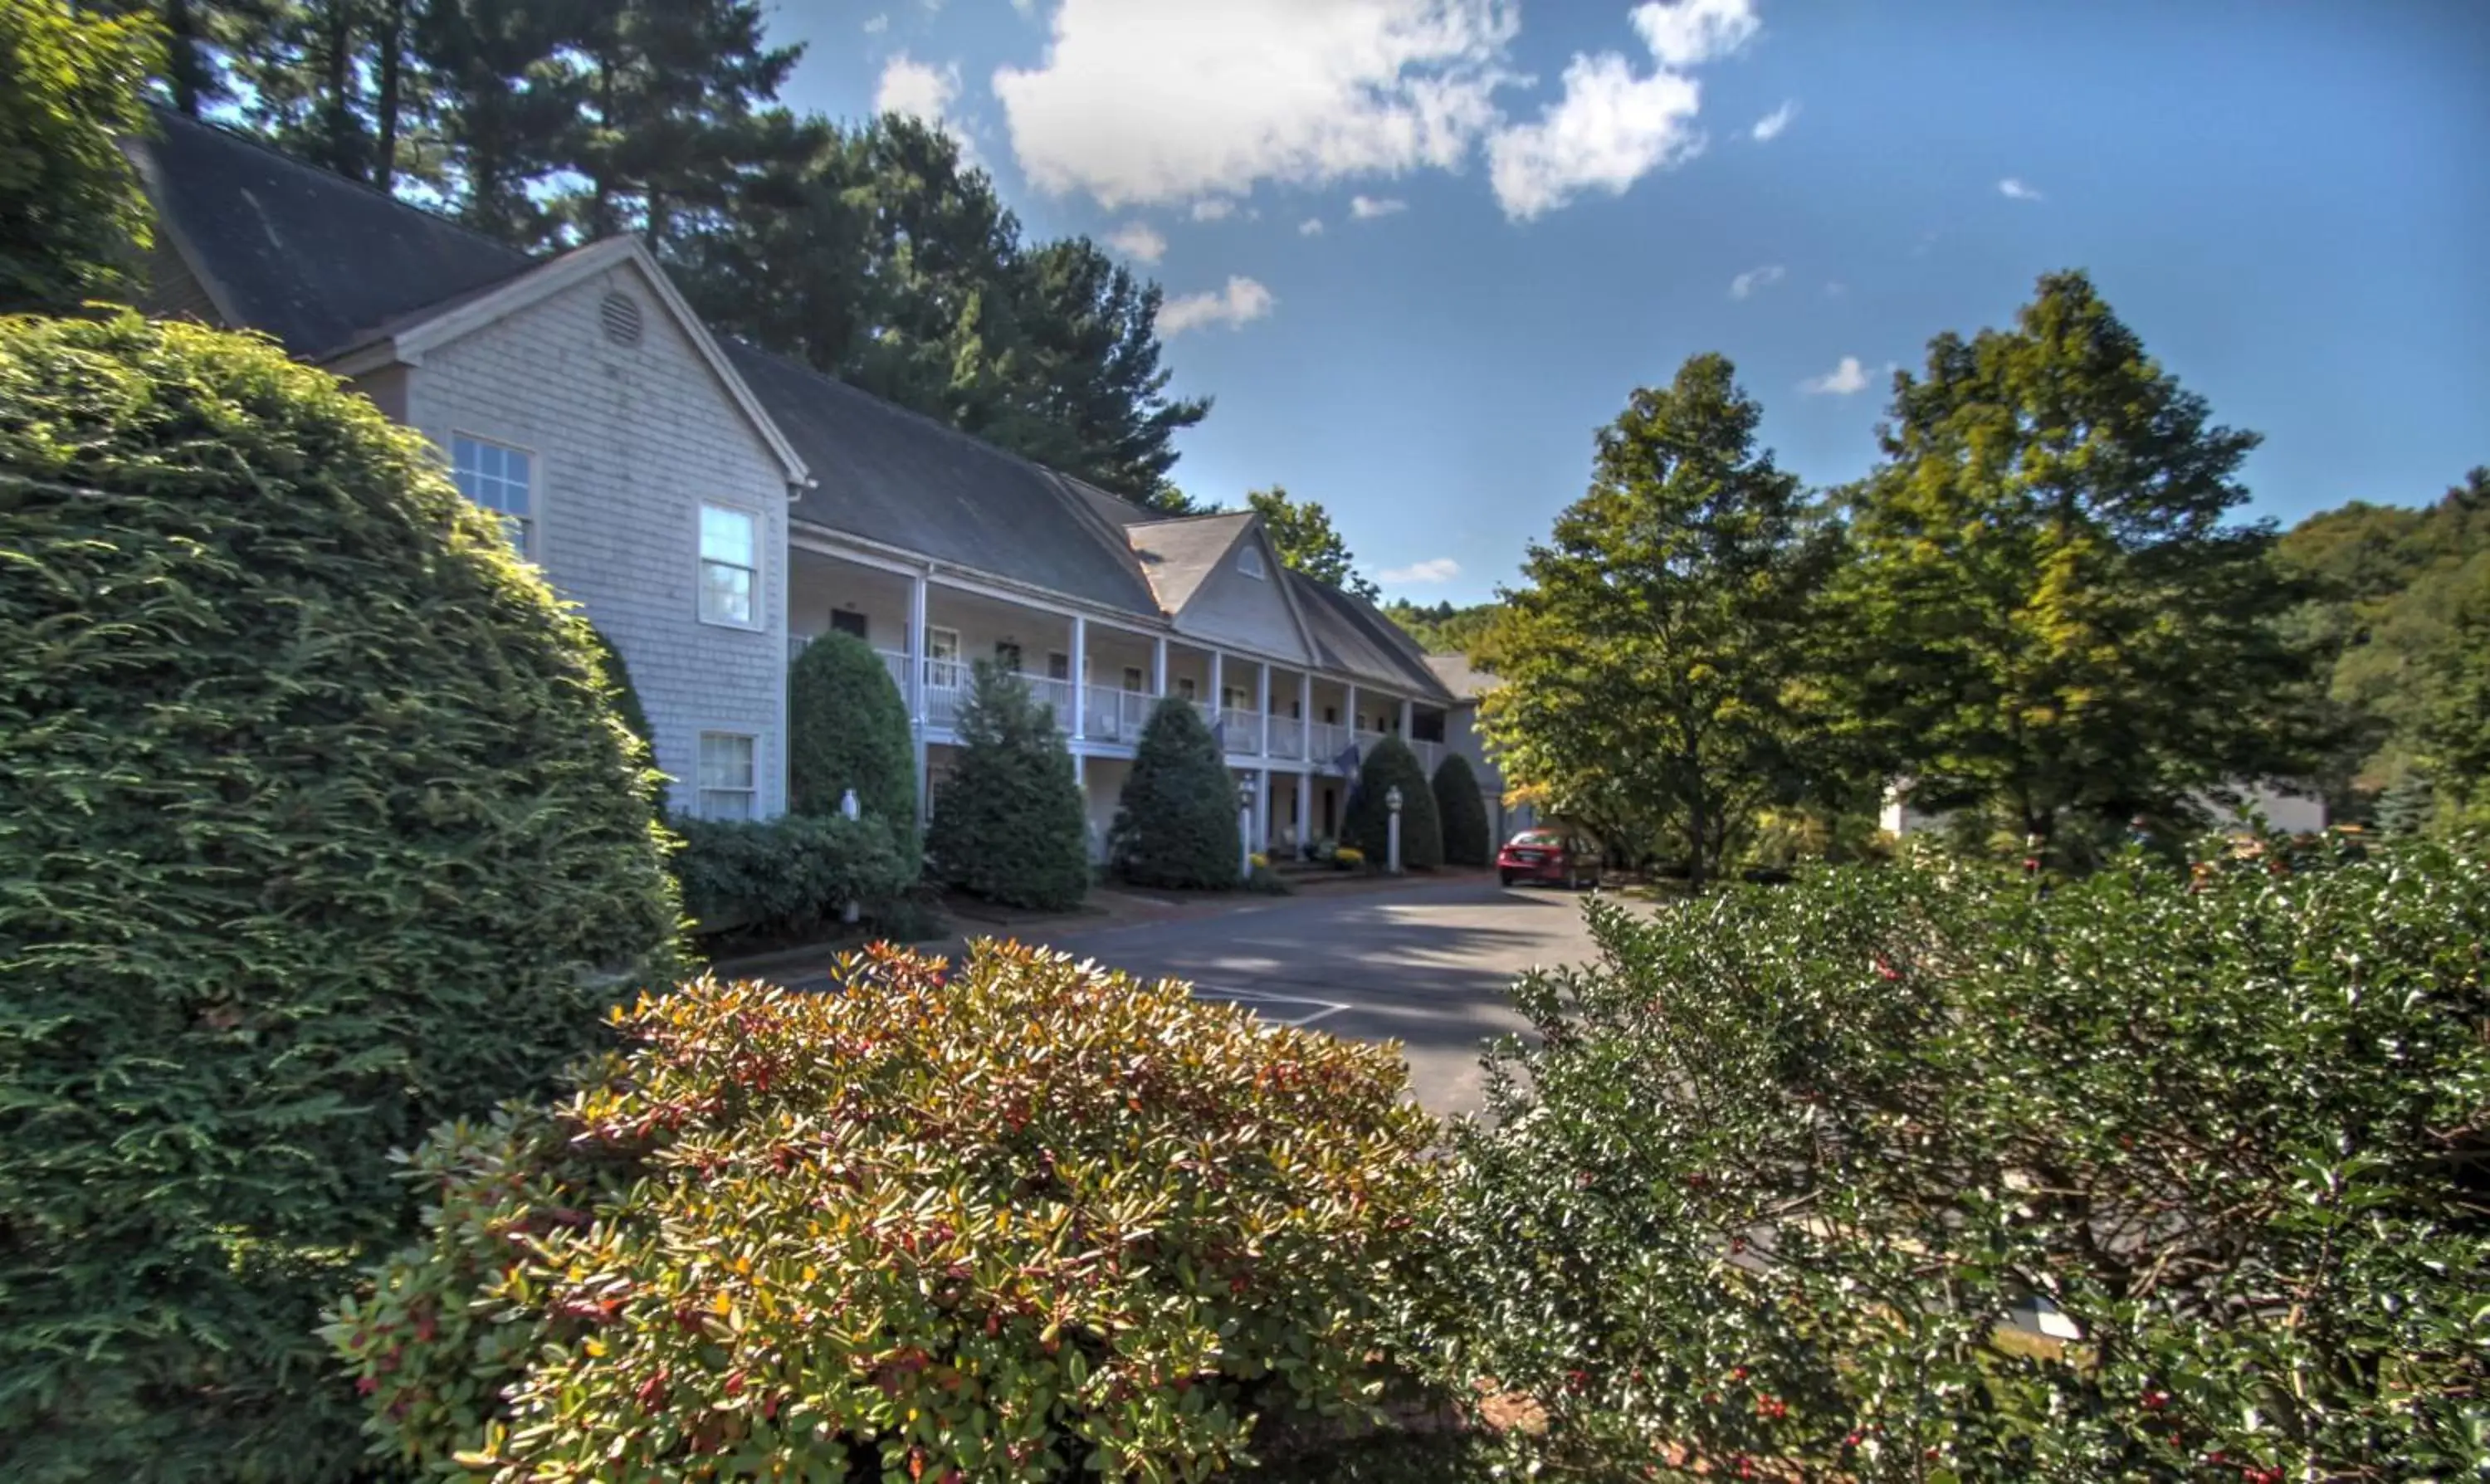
1305 809
915 648
1352 714
1262 810
1408 710
1079 678
1306 718
1217 700
1262 708
1158 664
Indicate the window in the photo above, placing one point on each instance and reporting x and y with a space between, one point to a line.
1058 667
1331 715
730 562
1007 654
1185 686
1133 679
726 776
499 480
847 621
1249 560
1231 698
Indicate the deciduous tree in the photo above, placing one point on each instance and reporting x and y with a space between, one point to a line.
1657 665
71 217
1306 540
2056 616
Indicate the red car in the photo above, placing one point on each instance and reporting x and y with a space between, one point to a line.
1558 854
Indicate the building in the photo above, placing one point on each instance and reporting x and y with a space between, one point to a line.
1469 684
711 506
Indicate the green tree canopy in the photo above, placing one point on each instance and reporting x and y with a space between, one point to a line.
1658 663
1175 822
1302 532
1009 823
847 728
71 217
1441 627
2053 616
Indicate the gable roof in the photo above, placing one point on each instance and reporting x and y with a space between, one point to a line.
311 258
1465 680
897 478
1349 637
1178 555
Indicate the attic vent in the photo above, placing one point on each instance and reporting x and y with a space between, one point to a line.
1249 560
622 315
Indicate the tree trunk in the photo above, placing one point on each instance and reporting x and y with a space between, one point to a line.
183 67
391 45
337 107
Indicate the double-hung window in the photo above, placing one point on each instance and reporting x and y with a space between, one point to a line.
499 480
726 776
730 566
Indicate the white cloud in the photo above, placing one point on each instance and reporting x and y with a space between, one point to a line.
912 87
1611 127
1241 303
1139 241
2014 189
1025 7
1769 127
1213 209
1754 279
1368 208
875 25
1143 100
1687 33
1433 570
1842 381
1312 226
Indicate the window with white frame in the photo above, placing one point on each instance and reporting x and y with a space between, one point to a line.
1249 560
730 566
726 774
1133 680
500 479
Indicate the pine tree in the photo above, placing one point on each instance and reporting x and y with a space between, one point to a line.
1461 810
1302 532
72 218
1176 823
1010 826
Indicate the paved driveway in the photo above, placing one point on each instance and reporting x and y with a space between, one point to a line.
1425 966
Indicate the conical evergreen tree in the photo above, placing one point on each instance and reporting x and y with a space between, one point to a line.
1009 825
1175 825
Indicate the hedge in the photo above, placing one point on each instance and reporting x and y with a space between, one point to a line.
316 828
847 728
1175 824
1775 1186
1391 764
1462 811
789 875
1010 824
1028 1221
619 692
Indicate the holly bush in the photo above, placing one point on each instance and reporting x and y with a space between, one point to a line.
1461 812
1390 763
1026 1221
1175 822
788 875
316 828
1791 1173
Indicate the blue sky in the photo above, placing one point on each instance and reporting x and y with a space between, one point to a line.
2289 201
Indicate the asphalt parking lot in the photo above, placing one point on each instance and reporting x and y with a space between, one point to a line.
1427 965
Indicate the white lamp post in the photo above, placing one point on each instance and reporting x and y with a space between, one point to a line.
1245 829
848 806
1392 802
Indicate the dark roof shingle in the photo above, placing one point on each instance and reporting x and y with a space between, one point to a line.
887 475
311 258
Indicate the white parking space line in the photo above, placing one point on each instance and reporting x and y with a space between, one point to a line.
1279 1009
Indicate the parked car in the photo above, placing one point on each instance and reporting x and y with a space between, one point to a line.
1563 855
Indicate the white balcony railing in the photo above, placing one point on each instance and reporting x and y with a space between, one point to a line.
1284 737
1325 741
1110 714
1241 730
1429 753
